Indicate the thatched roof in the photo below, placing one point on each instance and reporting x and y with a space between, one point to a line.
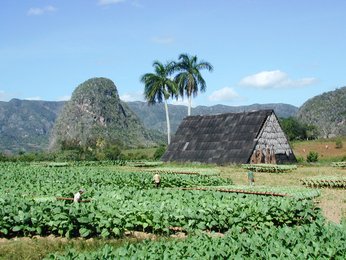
221 139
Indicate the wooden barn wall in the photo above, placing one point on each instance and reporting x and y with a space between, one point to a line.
272 145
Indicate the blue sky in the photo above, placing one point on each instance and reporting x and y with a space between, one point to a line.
263 51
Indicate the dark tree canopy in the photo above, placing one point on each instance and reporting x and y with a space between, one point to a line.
295 130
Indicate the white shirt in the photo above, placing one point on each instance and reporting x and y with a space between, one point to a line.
76 197
156 178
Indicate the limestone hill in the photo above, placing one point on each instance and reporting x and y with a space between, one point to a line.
327 112
95 116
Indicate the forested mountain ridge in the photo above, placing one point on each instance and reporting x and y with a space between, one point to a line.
153 117
327 112
26 125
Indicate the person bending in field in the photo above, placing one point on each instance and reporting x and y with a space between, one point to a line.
78 195
251 178
157 180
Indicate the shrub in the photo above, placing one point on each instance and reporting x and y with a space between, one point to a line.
338 144
26 157
68 155
300 159
159 152
3 158
312 157
113 152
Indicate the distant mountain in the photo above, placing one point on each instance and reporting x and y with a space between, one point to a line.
95 117
25 125
153 116
326 111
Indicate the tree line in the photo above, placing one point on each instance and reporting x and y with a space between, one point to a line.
296 130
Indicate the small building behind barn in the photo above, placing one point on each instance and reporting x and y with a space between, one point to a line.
231 138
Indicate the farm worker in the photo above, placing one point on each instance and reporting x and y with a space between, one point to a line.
157 180
77 196
251 178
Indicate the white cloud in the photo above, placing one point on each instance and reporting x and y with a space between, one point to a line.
274 79
135 96
163 39
224 94
109 2
40 11
33 98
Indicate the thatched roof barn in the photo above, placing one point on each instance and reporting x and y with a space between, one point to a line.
249 137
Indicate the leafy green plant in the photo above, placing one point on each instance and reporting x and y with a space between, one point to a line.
127 201
155 211
313 241
312 157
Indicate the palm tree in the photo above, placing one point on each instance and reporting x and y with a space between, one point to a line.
160 87
189 76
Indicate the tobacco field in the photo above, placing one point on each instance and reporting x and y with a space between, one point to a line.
123 199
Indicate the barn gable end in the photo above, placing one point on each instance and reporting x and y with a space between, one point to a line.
272 145
230 138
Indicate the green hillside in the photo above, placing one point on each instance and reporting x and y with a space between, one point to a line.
327 112
25 125
153 117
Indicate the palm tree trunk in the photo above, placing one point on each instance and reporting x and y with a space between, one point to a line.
168 124
189 107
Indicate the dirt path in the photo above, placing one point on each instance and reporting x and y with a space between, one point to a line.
333 204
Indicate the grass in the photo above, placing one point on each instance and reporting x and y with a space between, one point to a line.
326 149
40 247
140 153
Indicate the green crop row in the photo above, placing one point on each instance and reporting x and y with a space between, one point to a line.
80 163
187 170
324 182
111 213
162 171
272 168
143 164
314 241
339 164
